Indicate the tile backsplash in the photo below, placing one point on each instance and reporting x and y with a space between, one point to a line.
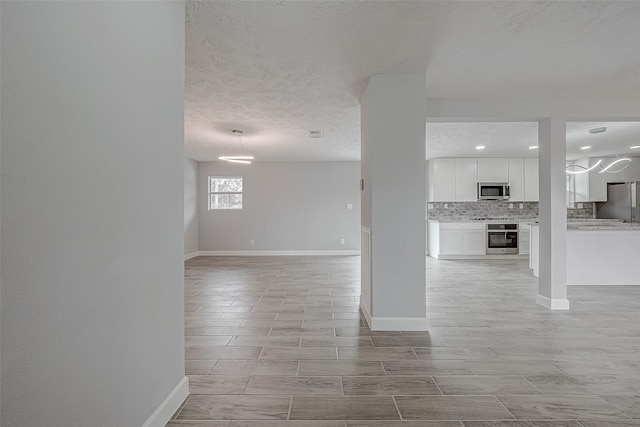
585 212
496 208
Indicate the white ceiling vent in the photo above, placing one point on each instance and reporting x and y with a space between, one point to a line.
315 133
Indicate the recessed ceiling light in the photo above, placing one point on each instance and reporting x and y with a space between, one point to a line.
315 133
480 147
533 147
586 147
634 147
598 130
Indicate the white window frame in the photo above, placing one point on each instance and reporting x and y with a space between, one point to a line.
211 193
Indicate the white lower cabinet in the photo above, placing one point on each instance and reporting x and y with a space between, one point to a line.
450 239
474 239
524 237
456 239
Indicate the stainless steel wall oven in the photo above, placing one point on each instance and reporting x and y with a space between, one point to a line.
502 238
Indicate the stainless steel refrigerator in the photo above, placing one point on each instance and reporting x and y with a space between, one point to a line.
622 202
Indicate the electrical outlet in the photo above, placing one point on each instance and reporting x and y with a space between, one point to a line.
510 205
342 241
580 206
521 205
349 206
446 206
429 205
252 241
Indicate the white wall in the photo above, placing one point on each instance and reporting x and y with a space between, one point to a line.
92 168
0 234
289 206
394 151
190 206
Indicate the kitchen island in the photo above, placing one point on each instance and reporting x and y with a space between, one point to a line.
598 252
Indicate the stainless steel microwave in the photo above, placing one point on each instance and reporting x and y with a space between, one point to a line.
493 191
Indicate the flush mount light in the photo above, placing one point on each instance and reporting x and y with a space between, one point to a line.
315 133
533 147
586 147
633 147
480 147
598 130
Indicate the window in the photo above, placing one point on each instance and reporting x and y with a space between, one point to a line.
225 192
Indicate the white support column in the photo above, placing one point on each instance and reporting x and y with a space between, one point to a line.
393 201
552 282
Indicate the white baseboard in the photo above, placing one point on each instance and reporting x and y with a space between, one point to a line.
277 253
604 284
191 255
394 323
491 256
552 304
367 315
169 406
399 324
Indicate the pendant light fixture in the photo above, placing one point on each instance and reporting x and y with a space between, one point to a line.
236 139
577 169
622 165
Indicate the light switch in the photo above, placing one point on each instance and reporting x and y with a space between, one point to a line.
349 205
580 206
521 205
510 205
446 206
429 205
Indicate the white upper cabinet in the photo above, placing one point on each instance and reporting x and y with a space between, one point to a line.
441 180
466 188
531 180
493 169
516 179
456 179
523 179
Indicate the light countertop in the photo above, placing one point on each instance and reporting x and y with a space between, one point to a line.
488 221
599 224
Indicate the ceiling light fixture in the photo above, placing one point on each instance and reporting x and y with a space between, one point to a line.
240 158
237 159
577 169
480 147
598 130
581 169
633 147
533 147
625 159
586 147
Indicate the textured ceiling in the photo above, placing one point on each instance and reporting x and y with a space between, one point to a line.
277 69
513 139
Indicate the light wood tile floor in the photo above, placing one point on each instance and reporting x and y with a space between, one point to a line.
279 341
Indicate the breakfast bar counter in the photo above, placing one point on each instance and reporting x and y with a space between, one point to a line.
597 253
